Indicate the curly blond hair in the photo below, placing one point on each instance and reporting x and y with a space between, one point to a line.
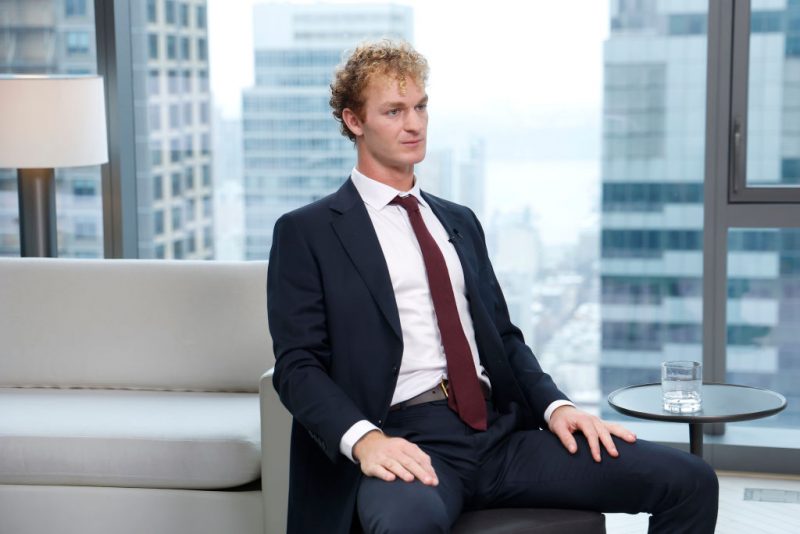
397 59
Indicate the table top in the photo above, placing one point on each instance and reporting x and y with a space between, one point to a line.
721 403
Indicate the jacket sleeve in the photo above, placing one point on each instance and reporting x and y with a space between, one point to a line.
536 385
297 322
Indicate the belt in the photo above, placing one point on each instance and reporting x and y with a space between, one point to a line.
440 392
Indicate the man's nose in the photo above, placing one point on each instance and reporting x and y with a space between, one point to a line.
414 121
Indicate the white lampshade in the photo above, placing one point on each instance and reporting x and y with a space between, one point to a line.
52 121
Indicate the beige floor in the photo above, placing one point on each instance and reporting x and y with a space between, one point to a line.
746 506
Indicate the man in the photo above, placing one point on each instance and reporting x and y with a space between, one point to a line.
413 395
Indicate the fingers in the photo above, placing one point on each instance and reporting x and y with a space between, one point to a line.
621 432
397 458
426 472
590 432
566 438
421 471
598 433
397 467
605 439
381 472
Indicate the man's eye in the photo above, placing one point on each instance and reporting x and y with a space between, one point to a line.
393 112
422 107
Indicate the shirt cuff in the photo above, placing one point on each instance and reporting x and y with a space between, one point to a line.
553 405
353 434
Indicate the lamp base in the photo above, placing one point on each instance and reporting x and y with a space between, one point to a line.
37 213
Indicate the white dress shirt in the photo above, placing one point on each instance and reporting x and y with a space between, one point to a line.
423 364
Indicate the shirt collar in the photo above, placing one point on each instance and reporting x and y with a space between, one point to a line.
378 195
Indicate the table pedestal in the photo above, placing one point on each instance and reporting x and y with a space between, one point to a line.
696 439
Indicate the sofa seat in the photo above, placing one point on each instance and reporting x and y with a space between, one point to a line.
129 438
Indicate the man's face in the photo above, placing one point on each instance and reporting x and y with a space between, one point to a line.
393 133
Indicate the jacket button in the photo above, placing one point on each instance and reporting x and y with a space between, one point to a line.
380 421
394 370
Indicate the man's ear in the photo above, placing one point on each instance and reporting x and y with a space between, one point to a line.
352 121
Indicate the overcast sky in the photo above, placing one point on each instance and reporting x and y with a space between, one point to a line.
524 75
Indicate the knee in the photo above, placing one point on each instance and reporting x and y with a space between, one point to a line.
426 516
695 481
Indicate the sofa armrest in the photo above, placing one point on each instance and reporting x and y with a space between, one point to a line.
276 428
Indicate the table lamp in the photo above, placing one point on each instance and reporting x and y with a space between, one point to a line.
48 122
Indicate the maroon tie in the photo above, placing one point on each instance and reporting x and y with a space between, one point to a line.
466 396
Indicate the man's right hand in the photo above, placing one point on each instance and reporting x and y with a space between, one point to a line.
388 458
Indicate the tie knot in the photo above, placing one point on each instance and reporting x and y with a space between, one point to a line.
408 202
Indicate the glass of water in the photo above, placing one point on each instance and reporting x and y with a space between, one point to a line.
680 386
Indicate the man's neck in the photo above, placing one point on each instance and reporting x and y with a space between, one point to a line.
400 179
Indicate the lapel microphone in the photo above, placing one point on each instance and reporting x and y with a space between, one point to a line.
454 235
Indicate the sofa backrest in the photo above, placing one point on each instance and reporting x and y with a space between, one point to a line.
149 324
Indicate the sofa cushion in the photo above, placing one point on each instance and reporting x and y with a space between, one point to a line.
138 324
142 439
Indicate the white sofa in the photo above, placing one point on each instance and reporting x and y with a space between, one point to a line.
129 398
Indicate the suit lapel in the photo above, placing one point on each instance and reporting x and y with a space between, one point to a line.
452 226
355 231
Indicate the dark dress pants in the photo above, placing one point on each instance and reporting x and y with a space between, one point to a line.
505 467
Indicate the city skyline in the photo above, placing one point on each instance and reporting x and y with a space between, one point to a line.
539 112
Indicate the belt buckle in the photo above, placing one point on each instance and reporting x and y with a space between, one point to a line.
443 386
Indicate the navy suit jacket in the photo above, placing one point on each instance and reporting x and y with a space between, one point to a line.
338 342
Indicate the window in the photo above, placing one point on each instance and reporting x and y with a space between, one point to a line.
682 25
169 11
184 15
153 82
154 117
172 48
77 43
177 184
84 188
623 132
158 187
174 117
188 145
191 206
156 153
158 222
186 52
201 16
85 230
54 38
75 8
187 81
177 250
152 12
177 218
202 75
202 51
152 46
173 82
175 150
187 114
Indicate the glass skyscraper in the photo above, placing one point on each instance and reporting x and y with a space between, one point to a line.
293 150
652 187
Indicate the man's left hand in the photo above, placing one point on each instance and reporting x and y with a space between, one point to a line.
565 420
